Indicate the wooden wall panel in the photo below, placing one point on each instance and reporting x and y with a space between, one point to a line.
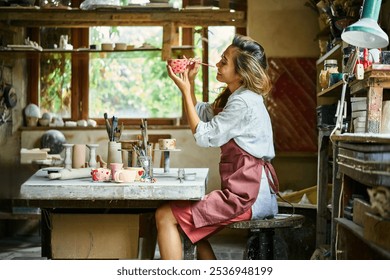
292 104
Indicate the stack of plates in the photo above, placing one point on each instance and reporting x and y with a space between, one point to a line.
359 114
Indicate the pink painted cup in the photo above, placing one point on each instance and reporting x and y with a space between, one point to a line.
178 65
101 174
139 172
125 176
114 168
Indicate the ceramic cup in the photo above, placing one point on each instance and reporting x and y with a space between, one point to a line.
125 176
78 156
114 168
167 144
101 174
178 65
114 153
139 171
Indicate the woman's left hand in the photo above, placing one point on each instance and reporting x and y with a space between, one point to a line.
182 80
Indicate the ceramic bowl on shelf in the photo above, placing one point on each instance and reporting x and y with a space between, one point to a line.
44 122
120 46
107 46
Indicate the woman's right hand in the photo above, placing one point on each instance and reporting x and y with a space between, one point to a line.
193 68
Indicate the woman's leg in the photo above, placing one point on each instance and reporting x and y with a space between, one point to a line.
168 236
205 251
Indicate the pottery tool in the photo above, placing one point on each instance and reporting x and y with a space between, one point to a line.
146 131
205 64
114 126
108 126
144 135
67 174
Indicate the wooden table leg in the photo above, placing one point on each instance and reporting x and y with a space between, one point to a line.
374 112
46 233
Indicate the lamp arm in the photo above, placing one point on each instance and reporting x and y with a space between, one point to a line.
341 109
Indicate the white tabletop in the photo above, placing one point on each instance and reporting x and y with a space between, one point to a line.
166 187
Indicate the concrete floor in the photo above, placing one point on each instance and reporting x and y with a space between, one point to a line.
29 247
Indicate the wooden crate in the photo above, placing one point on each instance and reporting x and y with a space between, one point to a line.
360 208
95 236
377 229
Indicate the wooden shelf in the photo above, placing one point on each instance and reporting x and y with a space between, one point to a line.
85 50
365 138
332 90
358 232
334 52
76 18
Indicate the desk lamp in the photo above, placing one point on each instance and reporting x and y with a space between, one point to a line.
365 33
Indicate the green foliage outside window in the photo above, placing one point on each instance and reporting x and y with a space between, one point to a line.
133 85
128 84
55 82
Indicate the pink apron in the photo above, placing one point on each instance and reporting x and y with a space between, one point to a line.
240 182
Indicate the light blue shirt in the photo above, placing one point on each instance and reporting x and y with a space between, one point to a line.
244 118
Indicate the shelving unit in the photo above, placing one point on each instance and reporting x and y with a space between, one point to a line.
29 19
326 96
358 233
32 17
345 155
169 19
361 162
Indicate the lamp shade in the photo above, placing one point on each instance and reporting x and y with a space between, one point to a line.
366 33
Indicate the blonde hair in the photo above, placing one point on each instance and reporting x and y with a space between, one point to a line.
250 62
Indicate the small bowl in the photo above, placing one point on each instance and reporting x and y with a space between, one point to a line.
120 46
107 47
178 65
44 122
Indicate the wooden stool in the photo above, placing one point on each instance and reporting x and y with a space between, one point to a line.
260 245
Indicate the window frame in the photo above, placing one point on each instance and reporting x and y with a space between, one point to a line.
80 74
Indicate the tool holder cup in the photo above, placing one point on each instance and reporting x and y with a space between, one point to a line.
114 153
146 163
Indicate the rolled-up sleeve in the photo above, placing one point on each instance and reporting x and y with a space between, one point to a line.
204 111
223 127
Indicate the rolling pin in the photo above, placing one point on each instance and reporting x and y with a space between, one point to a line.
66 174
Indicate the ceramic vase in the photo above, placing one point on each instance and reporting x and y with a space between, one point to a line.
78 156
114 153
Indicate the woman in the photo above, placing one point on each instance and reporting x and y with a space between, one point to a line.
239 123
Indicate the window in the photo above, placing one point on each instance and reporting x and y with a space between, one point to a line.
130 84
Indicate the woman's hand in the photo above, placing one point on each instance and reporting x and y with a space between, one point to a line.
183 83
181 80
193 68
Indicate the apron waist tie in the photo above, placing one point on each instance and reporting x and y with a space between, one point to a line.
271 176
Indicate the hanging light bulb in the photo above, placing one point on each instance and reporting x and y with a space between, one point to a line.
366 33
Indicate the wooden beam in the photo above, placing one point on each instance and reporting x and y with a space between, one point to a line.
122 17
169 39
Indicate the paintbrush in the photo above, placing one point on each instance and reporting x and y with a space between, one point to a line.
205 64
108 126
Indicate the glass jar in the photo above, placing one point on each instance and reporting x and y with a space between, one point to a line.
330 63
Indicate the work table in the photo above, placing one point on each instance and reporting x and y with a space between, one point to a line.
166 187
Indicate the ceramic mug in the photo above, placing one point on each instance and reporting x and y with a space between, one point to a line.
139 172
114 168
101 174
167 144
125 176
